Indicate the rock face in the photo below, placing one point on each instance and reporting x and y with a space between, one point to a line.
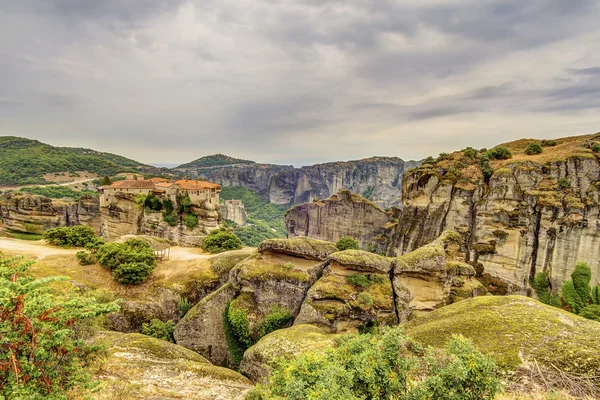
36 214
124 217
378 178
141 367
535 213
343 214
233 210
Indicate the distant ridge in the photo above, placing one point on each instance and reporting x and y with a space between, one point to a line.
26 161
214 160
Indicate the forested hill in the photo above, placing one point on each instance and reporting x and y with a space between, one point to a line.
25 161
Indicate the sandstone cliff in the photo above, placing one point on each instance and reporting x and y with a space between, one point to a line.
377 178
124 217
535 213
233 210
343 214
36 214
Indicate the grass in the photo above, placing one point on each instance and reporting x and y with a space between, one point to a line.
24 235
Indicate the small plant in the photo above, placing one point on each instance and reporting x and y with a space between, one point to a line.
429 160
132 273
365 280
533 148
170 219
576 292
190 220
289 265
499 153
591 311
159 329
85 258
541 285
184 307
364 300
221 240
564 183
369 192
346 243
444 156
549 143
140 200
485 167
76 236
470 152
276 319
596 148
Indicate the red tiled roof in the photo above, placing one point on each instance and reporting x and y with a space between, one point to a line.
158 180
196 185
132 184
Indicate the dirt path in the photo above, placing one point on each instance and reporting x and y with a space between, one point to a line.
41 250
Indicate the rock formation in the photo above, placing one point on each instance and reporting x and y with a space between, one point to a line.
122 216
535 213
377 178
343 214
233 210
24 212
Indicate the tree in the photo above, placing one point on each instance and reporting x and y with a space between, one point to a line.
533 148
346 243
44 354
221 240
105 181
131 262
576 292
499 153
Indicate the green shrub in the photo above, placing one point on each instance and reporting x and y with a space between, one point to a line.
237 332
369 192
190 220
595 294
221 240
470 152
153 202
549 143
94 245
140 200
365 280
184 307
571 297
168 205
384 364
276 319
596 148
364 300
581 276
132 273
564 183
591 311
444 156
499 153
85 258
58 192
105 181
185 203
541 285
533 148
347 243
160 330
486 168
76 236
170 219
429 160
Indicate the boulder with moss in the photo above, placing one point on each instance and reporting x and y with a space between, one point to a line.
283 344
202 329
435 275
355 292
223 263
517 331
136 366
305 247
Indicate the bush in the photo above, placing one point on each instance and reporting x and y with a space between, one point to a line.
365 280
160 330
596 148
153 202
429 160
347 243
444 156
131 261
76 236
533 148
541 285
276 319
221 240
171 219
470 152
581 276
591 311
132 273
486 168
385 364
499 153
168 205
44 354
549 143
564 183
237 332
184 307
595 294
364 300
190 220
85 258
140 200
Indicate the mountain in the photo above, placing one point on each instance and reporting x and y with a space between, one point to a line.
377 178
523 207
25 161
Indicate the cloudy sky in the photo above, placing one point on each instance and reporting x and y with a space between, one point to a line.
297 82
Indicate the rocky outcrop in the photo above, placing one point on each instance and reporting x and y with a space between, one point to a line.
303 247
535 213
343 214
124 217
283 344
136 366
202 329
233 210
377 178
36 214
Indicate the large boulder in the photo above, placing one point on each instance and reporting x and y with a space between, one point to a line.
516 331
141 367
304 247
202 329
281 345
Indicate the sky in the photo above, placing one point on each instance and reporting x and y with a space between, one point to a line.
297 82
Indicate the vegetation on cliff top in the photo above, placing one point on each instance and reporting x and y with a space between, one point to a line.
25 161
214 160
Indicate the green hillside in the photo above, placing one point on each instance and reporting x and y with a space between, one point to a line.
25 161
215 160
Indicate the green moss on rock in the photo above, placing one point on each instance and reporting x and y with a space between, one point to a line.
304 247
362 260
222 263
514 329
